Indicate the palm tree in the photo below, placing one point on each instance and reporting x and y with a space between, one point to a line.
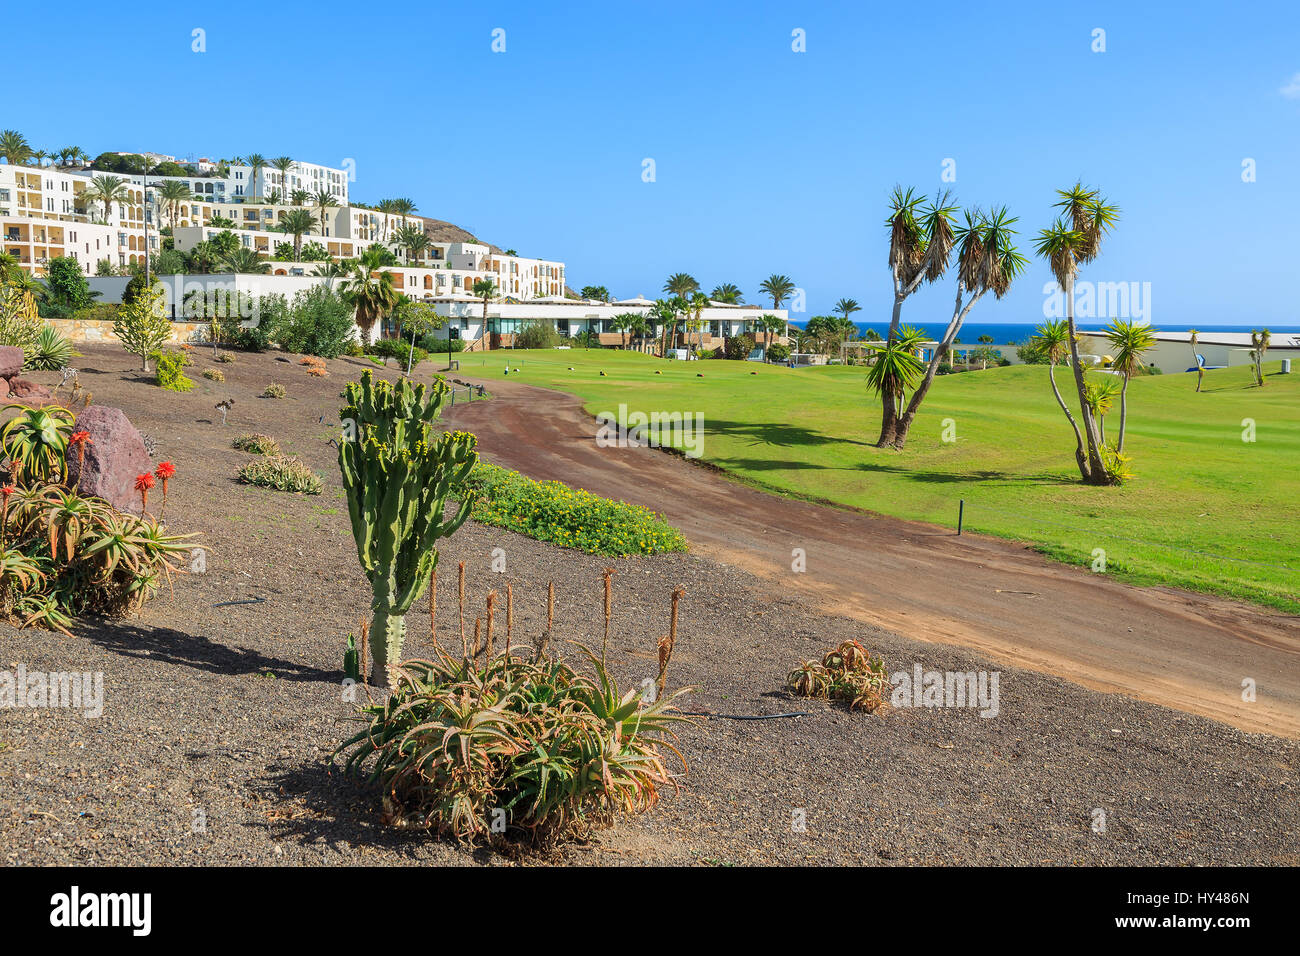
14 147
987 261
846 307
1074 240
728 293
698 303
403 208
921 240
412 239
623 323
1196 357
896 367
171 194
386 207
1128 341
246 261
39 155
323 201
767 324
299 197
106 190
256 162
1259 343
297 222
664 315
283 164
372 297
484 289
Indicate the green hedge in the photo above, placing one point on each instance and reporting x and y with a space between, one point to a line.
552 511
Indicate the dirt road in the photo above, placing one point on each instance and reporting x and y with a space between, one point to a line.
1187 651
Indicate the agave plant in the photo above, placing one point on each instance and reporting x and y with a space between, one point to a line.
51 351
36 441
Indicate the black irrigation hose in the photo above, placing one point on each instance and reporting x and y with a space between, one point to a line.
230 603
705 713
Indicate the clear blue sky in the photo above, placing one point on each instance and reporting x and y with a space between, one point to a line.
767 160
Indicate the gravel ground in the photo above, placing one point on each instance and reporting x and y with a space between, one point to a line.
218 721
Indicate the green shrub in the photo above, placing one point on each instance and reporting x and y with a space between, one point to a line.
537 334
214 374
432 344
739 346
224 358
51 351
281 472
257 443
399 350
318 322
542 748
778 352
554 512
274 390
170 371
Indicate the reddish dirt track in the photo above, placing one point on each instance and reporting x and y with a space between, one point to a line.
1183 650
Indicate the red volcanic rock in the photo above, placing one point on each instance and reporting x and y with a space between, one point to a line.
11 361
114 457
22 389
4 388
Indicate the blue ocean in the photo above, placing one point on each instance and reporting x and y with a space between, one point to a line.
1015 333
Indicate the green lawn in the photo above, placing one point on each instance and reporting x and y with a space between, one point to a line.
1200 496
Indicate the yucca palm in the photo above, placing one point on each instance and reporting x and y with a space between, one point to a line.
297 223
14 147
896 368
1075 240
1053 337
987 261
1129 340
106 190
1260 340
1100 393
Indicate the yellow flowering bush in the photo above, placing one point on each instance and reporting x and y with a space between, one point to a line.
570 517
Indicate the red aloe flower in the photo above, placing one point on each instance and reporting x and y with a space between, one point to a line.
143 482
164 471
79 441
6 491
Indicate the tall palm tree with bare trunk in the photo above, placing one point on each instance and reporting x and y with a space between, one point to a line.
987 261
322 200
107 190
297 223
1075 240
256 162
920 244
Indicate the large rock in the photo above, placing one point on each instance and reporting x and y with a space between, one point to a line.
11 361
28 391
4 388
113 461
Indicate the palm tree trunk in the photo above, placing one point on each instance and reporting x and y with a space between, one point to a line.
888 420
1078 438
1123 414
1095 472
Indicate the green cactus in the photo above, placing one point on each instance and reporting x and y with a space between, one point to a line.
398 478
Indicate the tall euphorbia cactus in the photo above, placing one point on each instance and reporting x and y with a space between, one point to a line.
398 476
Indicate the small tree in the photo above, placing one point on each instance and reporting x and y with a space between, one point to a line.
142 326
1259 343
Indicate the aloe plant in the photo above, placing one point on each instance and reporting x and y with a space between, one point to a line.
398 476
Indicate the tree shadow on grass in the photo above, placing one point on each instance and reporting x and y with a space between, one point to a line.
776 433
753 465
170 646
